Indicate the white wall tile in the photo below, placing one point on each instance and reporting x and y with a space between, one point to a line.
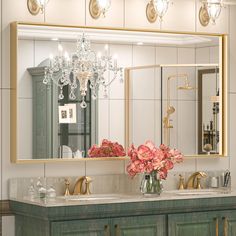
214 55
43 49
232 138
180 16
103 120
117 121
1 143
157 122
135 15
222 23
104 167
232 50
13 170
143 55
166 55
212 164
187 127
66 12
143 121
8 226
114 16
26 60
25 129
186 55
65 169
124 53
12 11
203 55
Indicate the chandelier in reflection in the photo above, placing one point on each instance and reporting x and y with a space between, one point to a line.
84 69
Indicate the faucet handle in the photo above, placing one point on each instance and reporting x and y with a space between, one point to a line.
88 181
67 191
181 182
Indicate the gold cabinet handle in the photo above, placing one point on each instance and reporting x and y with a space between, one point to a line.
225 226
217 226
117 230
107 230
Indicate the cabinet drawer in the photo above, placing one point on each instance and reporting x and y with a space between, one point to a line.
81 228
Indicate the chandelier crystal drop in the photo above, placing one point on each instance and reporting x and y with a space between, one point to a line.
82 68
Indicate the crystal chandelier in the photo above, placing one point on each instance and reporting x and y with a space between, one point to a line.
84 68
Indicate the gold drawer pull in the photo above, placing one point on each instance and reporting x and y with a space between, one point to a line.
217 226
117 230
107 230
225 226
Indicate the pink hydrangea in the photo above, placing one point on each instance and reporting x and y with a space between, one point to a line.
147 158
107 149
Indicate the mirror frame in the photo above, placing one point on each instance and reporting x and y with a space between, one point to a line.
13 89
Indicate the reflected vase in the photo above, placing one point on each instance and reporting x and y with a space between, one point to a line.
151 184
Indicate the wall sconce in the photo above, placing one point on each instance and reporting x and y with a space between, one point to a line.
210 11
35 6
156 9
98 8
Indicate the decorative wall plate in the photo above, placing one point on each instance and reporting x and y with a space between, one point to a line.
94 9
204 16
151 12
33 7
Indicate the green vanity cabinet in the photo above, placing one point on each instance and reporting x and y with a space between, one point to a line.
194 224
222 223
98 227
154 225
126 226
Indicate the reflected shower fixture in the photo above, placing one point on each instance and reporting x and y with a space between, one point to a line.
210 11
98 8
84 68
156 9
35 6
170 109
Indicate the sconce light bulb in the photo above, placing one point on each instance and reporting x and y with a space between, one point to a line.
60 48
99 55
104 4
214 10
161 7
42 3
51 56
106 47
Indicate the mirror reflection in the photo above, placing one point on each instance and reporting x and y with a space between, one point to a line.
59 118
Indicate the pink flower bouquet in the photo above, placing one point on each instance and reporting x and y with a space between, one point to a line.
107 149
148 158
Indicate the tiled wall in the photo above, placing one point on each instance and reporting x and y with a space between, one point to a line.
182 16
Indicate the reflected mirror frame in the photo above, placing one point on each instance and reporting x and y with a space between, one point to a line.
13 88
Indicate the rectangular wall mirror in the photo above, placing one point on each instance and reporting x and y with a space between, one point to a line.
174 92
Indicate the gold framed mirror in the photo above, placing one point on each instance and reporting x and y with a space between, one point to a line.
31 45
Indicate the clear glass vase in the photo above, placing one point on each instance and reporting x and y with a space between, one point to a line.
151 184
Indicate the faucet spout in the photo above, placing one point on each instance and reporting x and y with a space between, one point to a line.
192 180
82 186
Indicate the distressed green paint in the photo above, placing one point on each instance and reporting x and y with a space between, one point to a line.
195 217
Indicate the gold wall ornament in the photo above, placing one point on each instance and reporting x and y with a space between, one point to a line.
94 9
151 12
204 17
33 7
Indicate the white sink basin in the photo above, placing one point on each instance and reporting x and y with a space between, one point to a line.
191 192
93 197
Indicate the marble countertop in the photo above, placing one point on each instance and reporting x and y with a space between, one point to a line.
96 199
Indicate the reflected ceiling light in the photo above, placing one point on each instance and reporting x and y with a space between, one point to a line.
98 8
35 6
156 9
210 11
84 68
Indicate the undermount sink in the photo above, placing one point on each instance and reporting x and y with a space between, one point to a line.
93 197
190 192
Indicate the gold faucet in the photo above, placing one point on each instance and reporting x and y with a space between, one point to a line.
79 185
192 179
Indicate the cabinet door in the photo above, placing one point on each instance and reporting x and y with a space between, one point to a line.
193 224
139 226
228 219
81 228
